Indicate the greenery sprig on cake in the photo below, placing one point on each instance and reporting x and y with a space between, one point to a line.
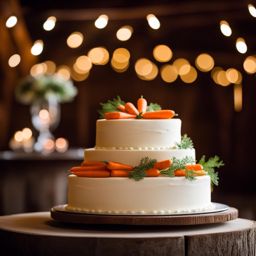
185 143
118 109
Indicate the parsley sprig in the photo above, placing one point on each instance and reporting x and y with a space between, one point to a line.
139 172
153 107
210 165
185 142
180 164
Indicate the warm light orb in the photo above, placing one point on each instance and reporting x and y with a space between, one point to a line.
190 76
169 73
153 21
49 24
26 133
18 136
204 62
37 47
14 60
38 69
79 77
75 39
238 97
64 72
101 22
219 77
11 21
182 65
50 66
61 145
121 55
232 75
225 28
152 75
241 45
124 33
162 53
143 67
83 64
252 10
48 146
99 55
250 65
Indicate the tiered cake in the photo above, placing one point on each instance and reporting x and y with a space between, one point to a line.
127 144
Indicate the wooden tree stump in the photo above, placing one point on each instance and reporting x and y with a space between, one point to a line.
38 234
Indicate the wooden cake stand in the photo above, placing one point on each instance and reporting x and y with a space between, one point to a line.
221 213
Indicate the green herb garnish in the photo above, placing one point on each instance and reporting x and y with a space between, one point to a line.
210 165
153 107
139 172
185 142
110 106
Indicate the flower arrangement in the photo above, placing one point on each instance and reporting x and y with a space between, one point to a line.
33 88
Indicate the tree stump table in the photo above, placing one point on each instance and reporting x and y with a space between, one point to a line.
38 234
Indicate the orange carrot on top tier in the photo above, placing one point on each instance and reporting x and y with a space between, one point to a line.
119 173
93 163
118 166
93 174
163 164
131 109
180 172
86 168
159 114
153 172
121 107
142 105
118 115
194 167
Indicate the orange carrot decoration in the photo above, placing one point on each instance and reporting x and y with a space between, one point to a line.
194 167
118 115
142 105
153 172
199 173
93 174
86 168
131 109
121 108
119 173
180 172
163 164
93 163
159 114
118 166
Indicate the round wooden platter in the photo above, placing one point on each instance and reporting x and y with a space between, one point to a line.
222 213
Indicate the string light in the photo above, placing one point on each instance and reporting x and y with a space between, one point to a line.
252 10
225 28
124 33
38 69
241 45
14 60
75 39
232 75
11 21
162 53
169 73
83 64
64 72
238 97
99 55
143 67
101 22
37 47
120 60
204 62
190 76
49 24
250 65
153 21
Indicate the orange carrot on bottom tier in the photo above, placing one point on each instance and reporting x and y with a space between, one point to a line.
121 107
153 172
159 114
163 164
93 174
131 109
119 173
194 167
118 166
199 173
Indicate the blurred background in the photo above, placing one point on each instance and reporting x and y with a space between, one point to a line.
196 57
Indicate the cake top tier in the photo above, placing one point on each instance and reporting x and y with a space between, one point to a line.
138 134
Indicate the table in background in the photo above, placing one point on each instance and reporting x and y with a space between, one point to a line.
37 234
33 181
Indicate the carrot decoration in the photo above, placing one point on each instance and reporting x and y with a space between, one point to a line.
118 115
131 109
142 105
194 167
180 172
119 173
93 174
163 164
93 163
199 173
153 172
86 168
118 166
159 114
121 107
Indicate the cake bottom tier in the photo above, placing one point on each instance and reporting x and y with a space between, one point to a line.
150 196
133 157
